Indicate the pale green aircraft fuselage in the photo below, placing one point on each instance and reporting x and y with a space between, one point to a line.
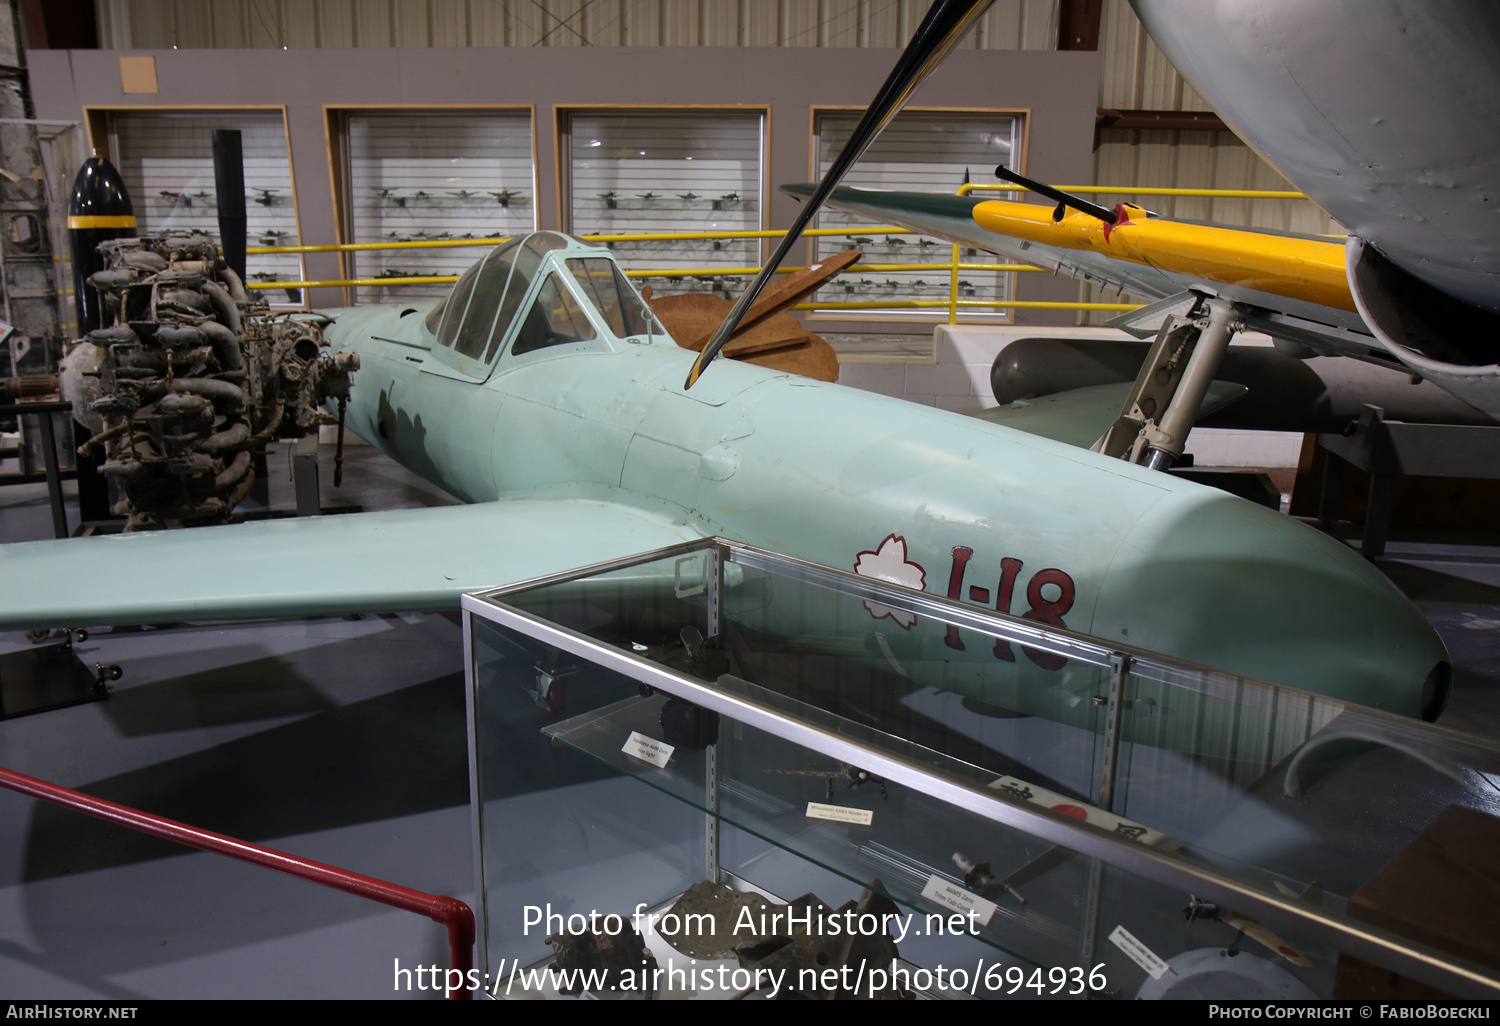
957 507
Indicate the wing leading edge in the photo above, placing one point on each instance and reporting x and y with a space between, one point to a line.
1152 257
399 560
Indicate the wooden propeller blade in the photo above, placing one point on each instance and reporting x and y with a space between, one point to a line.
779 296
690 318
791 289
777 341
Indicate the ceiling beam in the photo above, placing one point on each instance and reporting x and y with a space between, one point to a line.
1165 120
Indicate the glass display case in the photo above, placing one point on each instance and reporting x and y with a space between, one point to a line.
715 771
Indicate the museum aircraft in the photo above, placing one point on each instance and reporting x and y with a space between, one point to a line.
544 393
1389 121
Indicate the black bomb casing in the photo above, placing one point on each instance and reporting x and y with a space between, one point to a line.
99 210
229 188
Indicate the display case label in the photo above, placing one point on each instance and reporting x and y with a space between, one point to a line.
1021 790
839 814
648 749
951 895
1139 953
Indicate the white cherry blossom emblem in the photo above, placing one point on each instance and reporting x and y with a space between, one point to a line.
889 563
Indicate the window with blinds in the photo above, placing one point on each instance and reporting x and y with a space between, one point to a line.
919 151
669 171
434 176
167 162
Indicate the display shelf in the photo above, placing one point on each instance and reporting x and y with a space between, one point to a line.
1100 808
896 867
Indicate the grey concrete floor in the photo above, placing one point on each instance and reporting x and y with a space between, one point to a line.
342 740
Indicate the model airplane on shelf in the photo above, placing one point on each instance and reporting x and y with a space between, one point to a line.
1244 926
544 394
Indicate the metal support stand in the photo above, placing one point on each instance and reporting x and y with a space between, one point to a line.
713 574
51 676
1090 935
54 482
1114 712
305 476
1387 449
711 806
93 487
260 488
43 412
713 577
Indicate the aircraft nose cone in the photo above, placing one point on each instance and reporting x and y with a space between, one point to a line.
1221 581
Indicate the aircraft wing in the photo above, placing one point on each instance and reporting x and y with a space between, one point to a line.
1296 285
398 560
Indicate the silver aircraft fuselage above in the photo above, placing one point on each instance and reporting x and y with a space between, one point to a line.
1385 112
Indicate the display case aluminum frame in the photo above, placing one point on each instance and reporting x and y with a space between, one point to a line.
1434 745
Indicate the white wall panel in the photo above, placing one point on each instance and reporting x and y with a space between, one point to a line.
669 171
919 151
167 162
429 176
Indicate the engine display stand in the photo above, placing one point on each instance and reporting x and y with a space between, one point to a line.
49 677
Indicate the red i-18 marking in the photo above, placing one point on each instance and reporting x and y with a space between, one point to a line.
1040 609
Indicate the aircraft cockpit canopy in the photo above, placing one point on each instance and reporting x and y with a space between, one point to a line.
613 296
474 321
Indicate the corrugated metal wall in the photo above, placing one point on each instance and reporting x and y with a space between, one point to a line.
162 24
1136 75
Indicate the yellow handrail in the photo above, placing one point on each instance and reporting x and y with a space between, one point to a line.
650 272
355 247
953 266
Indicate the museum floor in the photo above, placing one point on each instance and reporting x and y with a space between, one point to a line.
342 740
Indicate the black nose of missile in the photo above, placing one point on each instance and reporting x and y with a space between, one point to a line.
98 211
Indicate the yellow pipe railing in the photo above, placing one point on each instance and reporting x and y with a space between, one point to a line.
354 247
650 272
954 266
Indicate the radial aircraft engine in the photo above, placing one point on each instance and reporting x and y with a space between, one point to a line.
542 392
